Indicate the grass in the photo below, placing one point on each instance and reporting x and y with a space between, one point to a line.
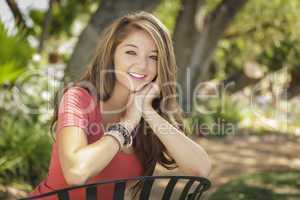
270 185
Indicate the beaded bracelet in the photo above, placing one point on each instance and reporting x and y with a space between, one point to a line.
121 129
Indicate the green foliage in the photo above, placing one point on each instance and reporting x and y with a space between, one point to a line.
63 16
25 144
167 12
218 117
284 52
271 185
25 149
15 53
25 141
265 32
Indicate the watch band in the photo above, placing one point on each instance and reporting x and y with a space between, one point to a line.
120 128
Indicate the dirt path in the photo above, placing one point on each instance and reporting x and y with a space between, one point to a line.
234 156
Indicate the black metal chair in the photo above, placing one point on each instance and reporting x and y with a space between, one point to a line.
199 184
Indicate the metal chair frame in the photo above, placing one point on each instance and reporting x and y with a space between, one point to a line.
120 186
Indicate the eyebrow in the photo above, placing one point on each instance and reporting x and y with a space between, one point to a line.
132 45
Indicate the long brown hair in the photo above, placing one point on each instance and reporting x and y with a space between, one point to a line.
147 145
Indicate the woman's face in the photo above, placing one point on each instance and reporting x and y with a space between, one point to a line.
135 60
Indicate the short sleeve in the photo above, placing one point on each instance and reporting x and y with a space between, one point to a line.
74 109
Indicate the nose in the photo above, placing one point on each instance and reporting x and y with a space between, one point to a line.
142 63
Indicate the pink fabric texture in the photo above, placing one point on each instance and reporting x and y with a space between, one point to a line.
79 108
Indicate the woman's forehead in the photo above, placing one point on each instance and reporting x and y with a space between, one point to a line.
139 39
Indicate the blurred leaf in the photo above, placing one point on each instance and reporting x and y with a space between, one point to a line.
167 12
15 53
9 73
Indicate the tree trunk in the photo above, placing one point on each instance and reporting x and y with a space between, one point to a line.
185 33
105 14
294 87
215 24
239 81
46 26
19 20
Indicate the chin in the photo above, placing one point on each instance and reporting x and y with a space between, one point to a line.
131 88
136 88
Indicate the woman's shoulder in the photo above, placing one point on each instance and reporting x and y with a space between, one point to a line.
79 97
78 91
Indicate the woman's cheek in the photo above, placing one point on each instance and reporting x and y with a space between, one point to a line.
154 72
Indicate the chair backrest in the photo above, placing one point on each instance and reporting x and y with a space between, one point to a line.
199 184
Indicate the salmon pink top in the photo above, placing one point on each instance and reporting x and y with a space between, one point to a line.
79 108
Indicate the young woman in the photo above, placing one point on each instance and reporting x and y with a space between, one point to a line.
131 82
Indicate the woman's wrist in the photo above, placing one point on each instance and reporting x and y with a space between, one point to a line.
128 124
121 131
116 139
148 112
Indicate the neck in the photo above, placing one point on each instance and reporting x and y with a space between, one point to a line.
115 107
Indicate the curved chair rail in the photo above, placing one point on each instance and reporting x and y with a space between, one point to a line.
202 184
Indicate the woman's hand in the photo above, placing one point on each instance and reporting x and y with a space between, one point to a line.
153 93
136 105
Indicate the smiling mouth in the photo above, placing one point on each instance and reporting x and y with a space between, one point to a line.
137 76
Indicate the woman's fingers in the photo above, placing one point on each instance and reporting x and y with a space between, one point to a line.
145 89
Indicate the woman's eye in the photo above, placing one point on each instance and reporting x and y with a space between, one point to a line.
131 52
153 57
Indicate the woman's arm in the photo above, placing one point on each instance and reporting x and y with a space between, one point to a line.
190 157
80 161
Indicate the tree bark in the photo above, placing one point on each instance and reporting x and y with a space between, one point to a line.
185 33
239 81
293 89
105 14
46 26
215 25
20 22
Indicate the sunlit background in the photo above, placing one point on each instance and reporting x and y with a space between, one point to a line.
245 111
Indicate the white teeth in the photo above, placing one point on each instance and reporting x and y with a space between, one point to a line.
136 75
